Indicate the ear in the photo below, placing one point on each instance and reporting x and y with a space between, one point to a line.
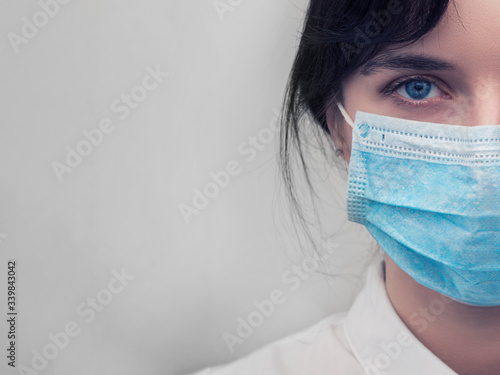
337 127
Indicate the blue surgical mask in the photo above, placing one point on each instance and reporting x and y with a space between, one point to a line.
430 196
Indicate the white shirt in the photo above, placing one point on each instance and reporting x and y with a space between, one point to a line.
369 339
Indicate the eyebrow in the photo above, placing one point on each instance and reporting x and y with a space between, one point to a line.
392 61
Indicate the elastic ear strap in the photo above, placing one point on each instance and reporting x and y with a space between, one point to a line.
346 116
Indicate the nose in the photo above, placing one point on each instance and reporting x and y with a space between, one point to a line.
483 105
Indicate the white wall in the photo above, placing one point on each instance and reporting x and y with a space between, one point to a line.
118 208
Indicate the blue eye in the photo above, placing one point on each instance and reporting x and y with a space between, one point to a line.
418 89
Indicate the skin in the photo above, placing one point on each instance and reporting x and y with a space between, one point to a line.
466 338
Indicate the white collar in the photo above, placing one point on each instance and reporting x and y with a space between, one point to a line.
380 340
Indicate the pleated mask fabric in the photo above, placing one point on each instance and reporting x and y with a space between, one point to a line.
429 194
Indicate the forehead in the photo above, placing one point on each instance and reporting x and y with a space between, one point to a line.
467 36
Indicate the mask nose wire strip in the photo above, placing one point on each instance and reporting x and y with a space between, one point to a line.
346 115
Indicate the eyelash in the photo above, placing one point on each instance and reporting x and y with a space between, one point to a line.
393 87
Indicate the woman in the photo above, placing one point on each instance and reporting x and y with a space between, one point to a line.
409 93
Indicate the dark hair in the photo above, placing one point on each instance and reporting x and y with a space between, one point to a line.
339 37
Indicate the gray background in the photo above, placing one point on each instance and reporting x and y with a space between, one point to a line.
119 207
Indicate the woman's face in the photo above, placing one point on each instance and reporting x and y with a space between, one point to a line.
450 76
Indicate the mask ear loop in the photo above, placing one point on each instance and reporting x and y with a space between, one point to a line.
346 115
